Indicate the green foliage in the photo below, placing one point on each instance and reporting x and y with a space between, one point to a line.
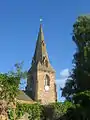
34 111
11 113
52 111
81 37
80 76
77 87
9 87
74 113
67 91
83 98
55 111
9 83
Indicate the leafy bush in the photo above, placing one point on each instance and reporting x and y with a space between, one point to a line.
56 110
33 110
36 111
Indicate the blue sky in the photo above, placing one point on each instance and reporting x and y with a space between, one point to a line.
19 25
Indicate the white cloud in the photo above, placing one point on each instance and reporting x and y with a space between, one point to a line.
64 73
61 82
63 77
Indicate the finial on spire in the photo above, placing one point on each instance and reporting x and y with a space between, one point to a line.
41 20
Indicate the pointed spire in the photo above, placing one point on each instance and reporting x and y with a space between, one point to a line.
40 57
40 50
40 35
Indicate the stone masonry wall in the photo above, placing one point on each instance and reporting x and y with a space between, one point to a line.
46 96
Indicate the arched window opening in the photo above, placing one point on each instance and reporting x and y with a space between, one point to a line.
43 42
43 58
47 81
46 63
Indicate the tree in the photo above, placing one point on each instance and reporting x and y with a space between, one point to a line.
77 89
9 89
18 71
80 76
9 86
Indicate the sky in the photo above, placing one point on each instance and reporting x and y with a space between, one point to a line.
19 26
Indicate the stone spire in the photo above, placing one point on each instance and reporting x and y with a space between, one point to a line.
40 51
40 58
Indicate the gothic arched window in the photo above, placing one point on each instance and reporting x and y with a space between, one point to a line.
46 63
47 81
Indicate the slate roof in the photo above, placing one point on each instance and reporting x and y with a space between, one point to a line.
24 97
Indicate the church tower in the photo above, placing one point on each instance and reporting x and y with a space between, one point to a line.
41 76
